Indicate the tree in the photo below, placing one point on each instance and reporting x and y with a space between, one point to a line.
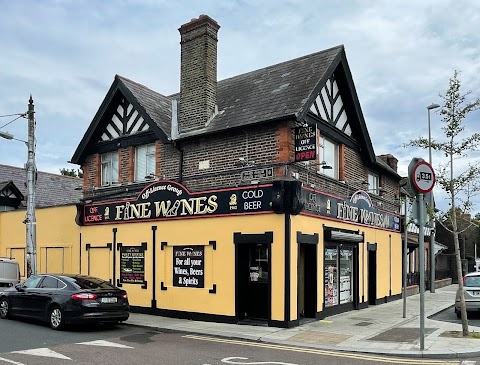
460 187
72 172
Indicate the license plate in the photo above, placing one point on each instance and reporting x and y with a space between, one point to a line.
108 300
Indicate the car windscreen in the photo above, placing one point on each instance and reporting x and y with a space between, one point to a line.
472 281
92 283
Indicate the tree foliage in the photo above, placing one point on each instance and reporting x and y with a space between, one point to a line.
460 187
72 172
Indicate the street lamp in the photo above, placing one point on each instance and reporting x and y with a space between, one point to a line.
432 228
30 220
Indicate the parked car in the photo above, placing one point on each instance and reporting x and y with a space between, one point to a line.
471 289
9 272
65 299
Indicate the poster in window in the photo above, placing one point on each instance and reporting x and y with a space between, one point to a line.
188 266
132 264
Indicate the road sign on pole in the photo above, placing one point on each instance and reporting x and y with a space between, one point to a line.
422 179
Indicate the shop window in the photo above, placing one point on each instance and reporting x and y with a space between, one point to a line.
259 263
338 275
109 168
144 162
331 281
346 280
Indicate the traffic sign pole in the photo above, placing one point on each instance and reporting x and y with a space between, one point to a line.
422 178
421 258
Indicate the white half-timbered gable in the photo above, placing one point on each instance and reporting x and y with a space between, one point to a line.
328 105
125 121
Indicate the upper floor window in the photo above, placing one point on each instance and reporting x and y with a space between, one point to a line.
327 157
373 183
109 168
144 162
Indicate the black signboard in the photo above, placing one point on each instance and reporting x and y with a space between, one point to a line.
305 143
132 264
169 200
188 266
359 209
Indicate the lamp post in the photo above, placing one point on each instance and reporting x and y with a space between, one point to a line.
30 220
432 225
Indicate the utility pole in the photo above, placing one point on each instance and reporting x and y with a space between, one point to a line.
31 223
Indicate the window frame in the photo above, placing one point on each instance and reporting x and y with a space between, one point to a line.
373 183
107 162
322 156
150 158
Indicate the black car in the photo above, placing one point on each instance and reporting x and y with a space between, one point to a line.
65 299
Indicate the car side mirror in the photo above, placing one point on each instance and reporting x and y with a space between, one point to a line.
19 287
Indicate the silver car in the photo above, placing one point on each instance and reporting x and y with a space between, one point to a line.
471 289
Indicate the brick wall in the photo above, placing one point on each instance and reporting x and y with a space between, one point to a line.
215 161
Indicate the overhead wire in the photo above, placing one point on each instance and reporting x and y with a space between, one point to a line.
19 116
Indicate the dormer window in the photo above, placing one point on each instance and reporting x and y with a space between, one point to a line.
144 162
109 168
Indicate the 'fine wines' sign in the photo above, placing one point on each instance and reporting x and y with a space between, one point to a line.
188 266
170 200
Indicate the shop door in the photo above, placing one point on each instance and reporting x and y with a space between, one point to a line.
339 275
307 280
253 289
372 277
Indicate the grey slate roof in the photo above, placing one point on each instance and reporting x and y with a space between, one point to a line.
158 106
51 189
269 93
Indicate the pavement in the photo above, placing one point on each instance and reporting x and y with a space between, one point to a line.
378 329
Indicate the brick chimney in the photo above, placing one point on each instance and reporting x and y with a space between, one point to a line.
198 73
390 160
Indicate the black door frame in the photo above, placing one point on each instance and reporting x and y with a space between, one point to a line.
310 302
240 239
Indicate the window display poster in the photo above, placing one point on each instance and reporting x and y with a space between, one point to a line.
132 264
346 265
331 283
188 266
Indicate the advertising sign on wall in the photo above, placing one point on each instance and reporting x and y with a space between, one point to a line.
188 266
132 264
169 200
359 209
305 143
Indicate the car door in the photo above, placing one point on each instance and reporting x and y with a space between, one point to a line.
43 294
22 299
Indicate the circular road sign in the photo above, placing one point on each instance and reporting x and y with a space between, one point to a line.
423 177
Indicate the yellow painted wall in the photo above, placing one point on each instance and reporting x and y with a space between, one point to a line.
61 247
57 237
385 266
219 264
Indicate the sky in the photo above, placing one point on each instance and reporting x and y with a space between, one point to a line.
65 53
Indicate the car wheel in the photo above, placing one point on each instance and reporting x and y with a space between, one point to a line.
56 318
4 309
459 314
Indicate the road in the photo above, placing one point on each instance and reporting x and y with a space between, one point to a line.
449 315
31 343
